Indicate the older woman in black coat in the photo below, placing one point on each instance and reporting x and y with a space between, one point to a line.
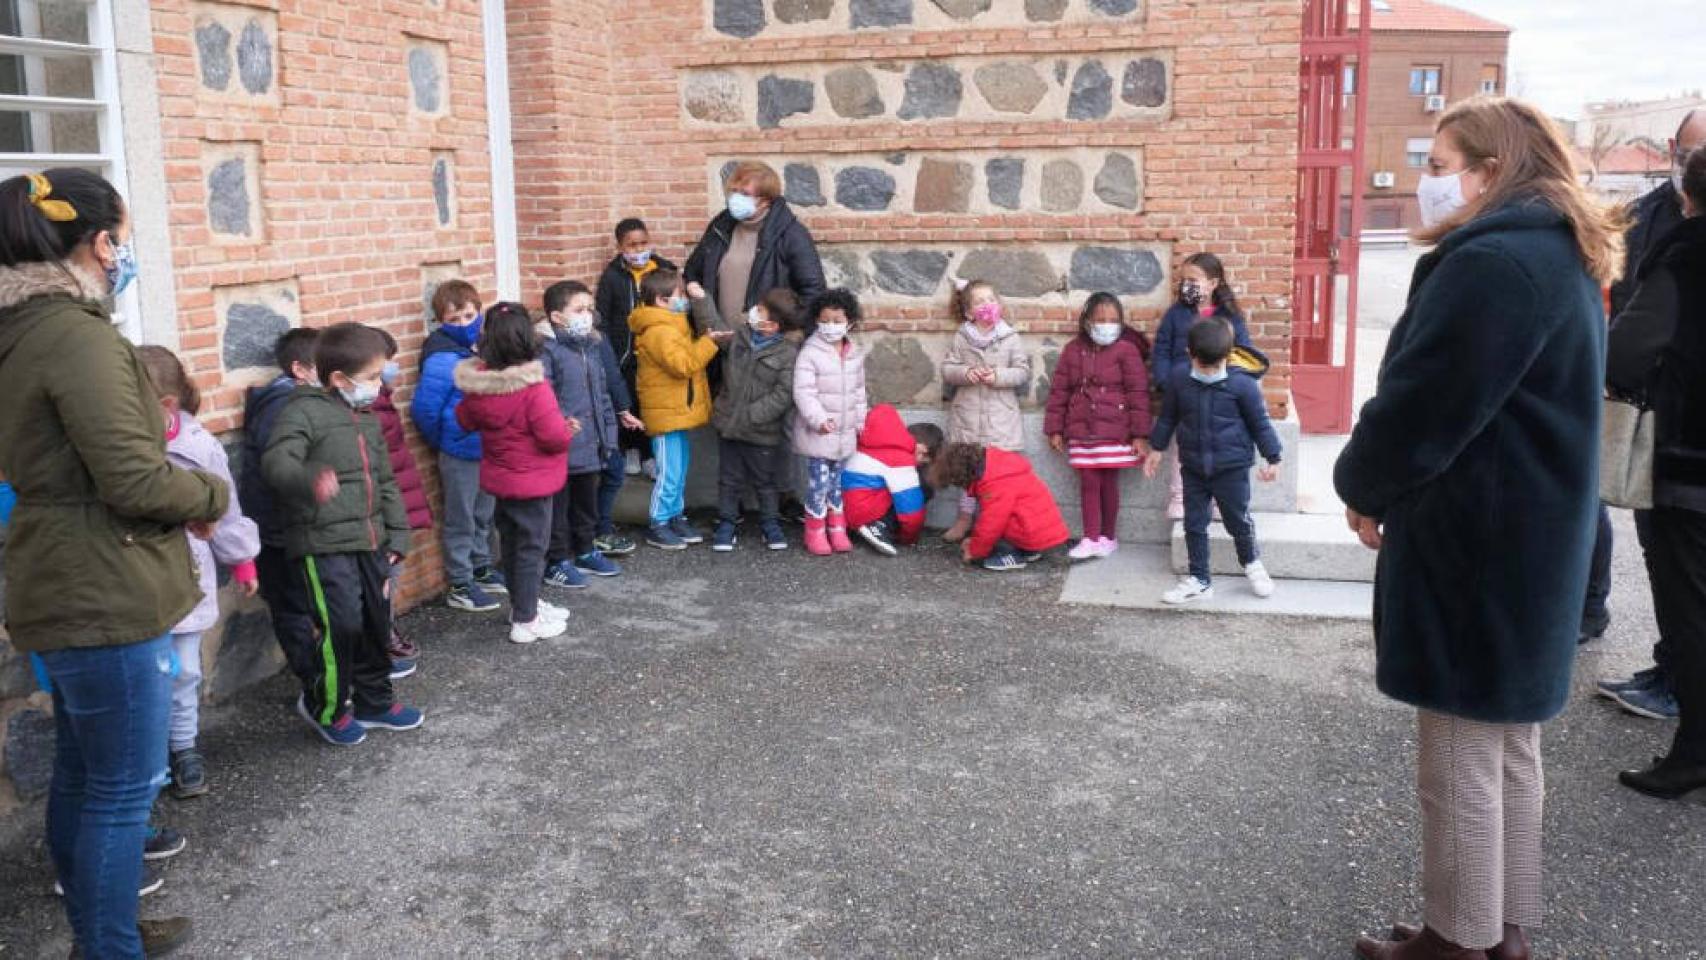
1474 472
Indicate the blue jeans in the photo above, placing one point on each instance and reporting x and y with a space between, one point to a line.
673 454
110 707
1230 489
610 484
1599 572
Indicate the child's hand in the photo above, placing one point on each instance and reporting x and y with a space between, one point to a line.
573 425
965 551
720 337
1057 443
630 421
325 485
1267 472
827 427
1152 464
250 587
695 291
1140 447
393 558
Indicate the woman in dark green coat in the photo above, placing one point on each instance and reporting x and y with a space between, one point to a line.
1474 472
97 567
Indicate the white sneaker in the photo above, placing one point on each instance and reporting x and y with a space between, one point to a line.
550 611
1261 584
1085 549
631 463
1189 590
1107 547
540 629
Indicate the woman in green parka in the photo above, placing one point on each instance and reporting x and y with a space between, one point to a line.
97 568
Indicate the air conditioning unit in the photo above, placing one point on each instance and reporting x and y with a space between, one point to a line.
1385 179
1435 103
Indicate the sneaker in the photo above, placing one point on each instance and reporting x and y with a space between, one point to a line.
723 541
189 773
468 596
1641 680
401 647
877 535
686 531
1261 584
541 628
163 843
491 581
152 881
650 469
597 564
402 667
773 537
614 545
342 732
1656 702
1107 546
1594 627
566 575
1003 562
395 717
1189 590
1028 557
1086 549
163 935
550 611
631 463
661 536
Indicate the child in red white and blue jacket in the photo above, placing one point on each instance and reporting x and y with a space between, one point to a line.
882 493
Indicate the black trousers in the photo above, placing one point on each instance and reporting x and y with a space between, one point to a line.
524 534
353 661
574 517
1676 564
740 466
286 593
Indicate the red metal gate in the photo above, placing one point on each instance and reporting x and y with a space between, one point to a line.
1327 150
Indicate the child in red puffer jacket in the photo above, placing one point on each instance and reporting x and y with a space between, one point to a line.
1017 519
524 457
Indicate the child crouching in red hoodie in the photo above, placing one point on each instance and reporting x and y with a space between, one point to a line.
524 457
1017 517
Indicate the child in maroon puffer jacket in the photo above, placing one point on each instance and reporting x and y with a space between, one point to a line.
524 457
403 651
1098 415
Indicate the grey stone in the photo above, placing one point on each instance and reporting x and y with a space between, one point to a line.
1116 182
963 9
932 90
863 188
1062 186
1092 92
738 18
881 13
1044 11
1018 272
228 198
441 190
1005 178
802 186
781 97
254 58
804 11
426 79
1117 270
910 273
1114 8
841 268
29 752
853 93
713 97
251 330
213 42
1144 83
1010 86
1060 68
247 655
898 370
894 159
943 186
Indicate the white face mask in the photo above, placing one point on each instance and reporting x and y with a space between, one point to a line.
1104 334
832 332
1440 197
580 324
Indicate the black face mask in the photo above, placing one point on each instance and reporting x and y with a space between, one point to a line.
1190 294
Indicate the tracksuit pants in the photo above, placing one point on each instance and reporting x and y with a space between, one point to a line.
353 661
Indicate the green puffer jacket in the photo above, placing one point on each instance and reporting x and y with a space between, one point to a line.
96 555
758 390
316 430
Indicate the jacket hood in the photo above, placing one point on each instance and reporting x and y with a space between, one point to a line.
999 464
474 378
645 318
26 281
439 342
885 435
1249 360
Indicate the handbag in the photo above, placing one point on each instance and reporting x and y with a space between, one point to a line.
1626 455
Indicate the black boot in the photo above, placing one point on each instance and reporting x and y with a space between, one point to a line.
1666 779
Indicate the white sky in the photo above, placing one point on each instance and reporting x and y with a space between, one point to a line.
1567 52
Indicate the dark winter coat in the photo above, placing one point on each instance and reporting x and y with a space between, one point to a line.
576 368
618 294
1478 454
1656 215
522 432
260 409
1098 394
758 390
1220 425
786 256
433 406
403 467
96 554
1171 352
1657 350
317 430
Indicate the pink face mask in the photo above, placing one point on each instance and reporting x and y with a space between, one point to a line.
986 314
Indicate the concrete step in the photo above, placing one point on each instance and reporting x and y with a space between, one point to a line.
1295 546
1136 576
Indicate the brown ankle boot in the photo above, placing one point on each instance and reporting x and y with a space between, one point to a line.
1513 947
1426 945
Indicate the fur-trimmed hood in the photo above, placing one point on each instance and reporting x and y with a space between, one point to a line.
474 377
26 281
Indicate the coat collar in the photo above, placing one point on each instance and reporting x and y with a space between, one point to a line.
1521 214
474 377
26 281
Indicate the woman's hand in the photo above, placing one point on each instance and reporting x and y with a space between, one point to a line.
630 421
1367 529
573 425
721 337
200 529
695 291
1267 472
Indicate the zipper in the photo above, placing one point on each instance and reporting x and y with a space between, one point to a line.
366 477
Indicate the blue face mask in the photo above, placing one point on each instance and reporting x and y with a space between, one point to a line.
678 304
1209 378
361 397
742 206
466 336
123 270
388 375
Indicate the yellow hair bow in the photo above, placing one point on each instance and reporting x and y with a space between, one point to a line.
56 210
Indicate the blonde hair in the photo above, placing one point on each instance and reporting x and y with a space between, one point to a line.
762 175
1527 157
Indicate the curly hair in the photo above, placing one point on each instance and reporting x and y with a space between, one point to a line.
837 298
959 466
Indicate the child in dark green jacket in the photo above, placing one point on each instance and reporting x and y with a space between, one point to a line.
344 522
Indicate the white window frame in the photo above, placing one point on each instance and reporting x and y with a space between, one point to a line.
1410 151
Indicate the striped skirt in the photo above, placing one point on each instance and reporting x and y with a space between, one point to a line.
1100 456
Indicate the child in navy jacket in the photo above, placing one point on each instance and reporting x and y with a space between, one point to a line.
1217 411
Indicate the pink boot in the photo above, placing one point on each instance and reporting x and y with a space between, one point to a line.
838 532
817 543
